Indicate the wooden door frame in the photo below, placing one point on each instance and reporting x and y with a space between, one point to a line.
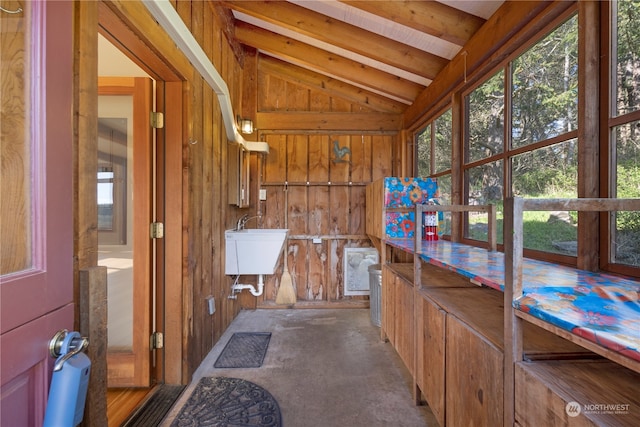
122 27
122 23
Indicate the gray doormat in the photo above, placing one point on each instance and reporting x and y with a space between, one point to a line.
244 350
221 402
155 407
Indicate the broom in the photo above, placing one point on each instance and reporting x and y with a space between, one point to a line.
286 294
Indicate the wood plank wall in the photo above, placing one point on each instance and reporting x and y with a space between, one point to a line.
202 191
311 190
335 211
209 213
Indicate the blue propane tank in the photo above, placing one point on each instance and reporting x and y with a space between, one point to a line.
69 383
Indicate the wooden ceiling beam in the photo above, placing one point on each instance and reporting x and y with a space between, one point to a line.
328 121
343 35
430 17
227 23
330 86
320 60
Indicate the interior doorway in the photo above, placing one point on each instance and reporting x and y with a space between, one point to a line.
126 196
165 259
126 178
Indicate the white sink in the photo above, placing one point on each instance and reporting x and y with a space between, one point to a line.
253 251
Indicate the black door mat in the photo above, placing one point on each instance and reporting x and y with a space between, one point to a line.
244 350
154 409
222 402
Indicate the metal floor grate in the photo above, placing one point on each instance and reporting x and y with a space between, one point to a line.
154 409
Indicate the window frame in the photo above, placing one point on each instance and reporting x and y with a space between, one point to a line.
508 152
593 134
610 121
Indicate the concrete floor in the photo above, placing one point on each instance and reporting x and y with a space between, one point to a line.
326 368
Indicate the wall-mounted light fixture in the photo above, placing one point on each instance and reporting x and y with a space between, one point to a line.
246 126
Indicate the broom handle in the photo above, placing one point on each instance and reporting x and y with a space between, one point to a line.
286 223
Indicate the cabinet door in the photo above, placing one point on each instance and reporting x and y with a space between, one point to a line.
474 375
388 304
430 354
405 330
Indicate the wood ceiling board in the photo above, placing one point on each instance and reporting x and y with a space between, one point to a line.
484 8
431 17
328 85
319 60
345 36
333 49
383 27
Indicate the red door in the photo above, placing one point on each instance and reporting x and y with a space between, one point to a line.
36 221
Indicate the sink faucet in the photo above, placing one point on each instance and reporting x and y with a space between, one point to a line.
242 221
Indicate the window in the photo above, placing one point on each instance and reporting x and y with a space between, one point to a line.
519 136
434 146
442 146
423 142
536 150
544 87
485 109
626 64
434 159
624 129
113 154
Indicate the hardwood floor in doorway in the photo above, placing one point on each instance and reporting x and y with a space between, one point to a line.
121 402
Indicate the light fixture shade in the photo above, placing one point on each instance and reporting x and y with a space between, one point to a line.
246 126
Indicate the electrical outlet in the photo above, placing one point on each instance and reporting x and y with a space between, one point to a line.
263 194
211 304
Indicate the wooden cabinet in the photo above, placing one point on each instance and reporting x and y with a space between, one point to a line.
388 303
404 323
430 354
576 393
474 356
239 176
474 386
486 356
397 313
464 339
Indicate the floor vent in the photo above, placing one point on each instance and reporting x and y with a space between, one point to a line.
156 407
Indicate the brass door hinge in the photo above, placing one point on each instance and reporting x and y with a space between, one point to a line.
156 230
157 120
156 341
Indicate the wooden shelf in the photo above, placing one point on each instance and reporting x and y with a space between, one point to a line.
432 276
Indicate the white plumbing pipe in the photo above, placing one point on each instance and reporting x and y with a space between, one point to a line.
168 18
255 292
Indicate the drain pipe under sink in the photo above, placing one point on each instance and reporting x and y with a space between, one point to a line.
238 287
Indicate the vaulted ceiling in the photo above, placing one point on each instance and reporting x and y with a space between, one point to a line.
386 52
